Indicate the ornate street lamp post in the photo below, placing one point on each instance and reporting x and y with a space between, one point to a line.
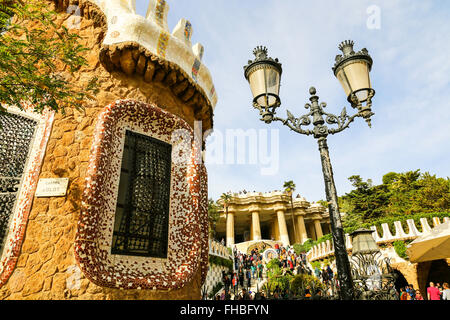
352 70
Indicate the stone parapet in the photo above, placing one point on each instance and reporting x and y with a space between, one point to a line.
219 250
281 200
326 249
143 46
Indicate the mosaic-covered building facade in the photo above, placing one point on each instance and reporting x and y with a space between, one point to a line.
132 223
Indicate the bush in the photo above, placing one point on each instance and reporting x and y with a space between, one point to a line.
315 264
400 248
221 262
277 279
273 265
308 244
299 248
299 283
275 276
215 289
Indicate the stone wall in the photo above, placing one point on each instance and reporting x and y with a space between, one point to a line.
214 275
326 249
213 278
46 267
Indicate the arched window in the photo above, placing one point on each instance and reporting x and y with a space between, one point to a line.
142 213
23 140
143 221
16 135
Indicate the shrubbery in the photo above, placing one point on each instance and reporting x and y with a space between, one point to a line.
275 277
400 248
221 262
215 289
300 282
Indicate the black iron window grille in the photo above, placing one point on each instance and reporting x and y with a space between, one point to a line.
16 135
141 223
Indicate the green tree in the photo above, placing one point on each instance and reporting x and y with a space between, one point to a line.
213 216
389 178
404 192
433 194
37 59
401 194
226 198
289 188
366 200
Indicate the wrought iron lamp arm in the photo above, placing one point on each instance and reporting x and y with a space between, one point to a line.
295 124
343 121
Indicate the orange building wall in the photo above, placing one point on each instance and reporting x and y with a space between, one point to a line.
46 262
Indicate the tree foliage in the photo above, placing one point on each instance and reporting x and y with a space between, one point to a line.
213 216
400 194
37 59
305 247
226 198
275 277
289 186
302 281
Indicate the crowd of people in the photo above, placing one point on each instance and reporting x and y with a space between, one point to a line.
434 292
250 267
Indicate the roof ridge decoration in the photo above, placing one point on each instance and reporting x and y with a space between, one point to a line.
152 33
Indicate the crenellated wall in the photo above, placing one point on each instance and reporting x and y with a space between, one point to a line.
217 249
157 52
326 249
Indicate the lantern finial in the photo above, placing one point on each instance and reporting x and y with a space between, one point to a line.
260 52
347 47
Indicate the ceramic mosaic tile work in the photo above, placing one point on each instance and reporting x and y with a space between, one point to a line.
162 43
19 219
160 11
195 68
183 31
213 278
152 34
188 202
188 31
204 220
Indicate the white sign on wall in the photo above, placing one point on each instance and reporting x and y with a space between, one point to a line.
52 187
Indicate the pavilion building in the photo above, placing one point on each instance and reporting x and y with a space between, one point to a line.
270 218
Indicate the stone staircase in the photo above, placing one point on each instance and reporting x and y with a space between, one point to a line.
255 286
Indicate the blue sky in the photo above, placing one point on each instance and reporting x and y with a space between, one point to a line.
411 75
